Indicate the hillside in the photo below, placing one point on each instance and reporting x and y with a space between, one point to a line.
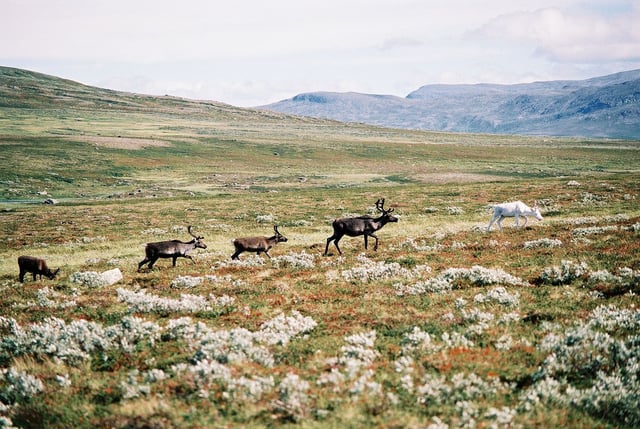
24 89
67 140
607 106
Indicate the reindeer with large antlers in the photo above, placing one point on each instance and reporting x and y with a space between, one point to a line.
361 225
171 249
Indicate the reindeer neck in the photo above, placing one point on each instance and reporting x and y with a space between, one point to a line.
382 219
379 222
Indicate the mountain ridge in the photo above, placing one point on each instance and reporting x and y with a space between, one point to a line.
603 106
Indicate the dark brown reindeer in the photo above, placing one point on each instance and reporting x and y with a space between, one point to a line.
171 249
361 225
37 266
257 244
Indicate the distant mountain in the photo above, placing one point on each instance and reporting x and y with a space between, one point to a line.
607 106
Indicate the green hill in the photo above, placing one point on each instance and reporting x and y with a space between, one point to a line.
70 140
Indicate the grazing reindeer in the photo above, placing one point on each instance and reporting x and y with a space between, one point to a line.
257 244
514 209
37 266
171 249
361 225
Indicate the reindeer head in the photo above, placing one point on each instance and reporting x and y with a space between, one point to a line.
199 243
279 237
386 214
536 210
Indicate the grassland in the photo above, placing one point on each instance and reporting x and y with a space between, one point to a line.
446 325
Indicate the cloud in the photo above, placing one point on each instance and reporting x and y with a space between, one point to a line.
562 36
251 52
400 42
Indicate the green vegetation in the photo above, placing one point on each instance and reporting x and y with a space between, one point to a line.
445 325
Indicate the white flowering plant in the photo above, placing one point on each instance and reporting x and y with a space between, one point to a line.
444 325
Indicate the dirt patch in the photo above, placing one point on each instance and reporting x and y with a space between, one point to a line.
455 177
121 142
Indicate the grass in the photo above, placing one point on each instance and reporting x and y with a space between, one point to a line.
387 348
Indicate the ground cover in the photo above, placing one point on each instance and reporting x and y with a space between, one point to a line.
446 325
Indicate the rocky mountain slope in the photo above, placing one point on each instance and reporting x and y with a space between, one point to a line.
607 106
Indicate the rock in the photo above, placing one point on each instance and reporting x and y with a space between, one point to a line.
112 276
94 279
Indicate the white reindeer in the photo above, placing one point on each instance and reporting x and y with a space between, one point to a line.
514 209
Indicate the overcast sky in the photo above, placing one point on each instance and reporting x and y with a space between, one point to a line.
254 52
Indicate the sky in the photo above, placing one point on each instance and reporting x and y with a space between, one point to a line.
255 52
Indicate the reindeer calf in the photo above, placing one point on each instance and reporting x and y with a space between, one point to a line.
514 209
257 244
36 266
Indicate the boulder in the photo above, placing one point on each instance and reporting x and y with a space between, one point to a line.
112 276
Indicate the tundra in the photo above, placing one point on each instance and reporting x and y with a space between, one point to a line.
361 225
171 249
257 244
37 266
514 209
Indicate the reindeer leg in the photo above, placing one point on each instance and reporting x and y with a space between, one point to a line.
365 242
493 219
525 221
499 223
335 240
237 252
326 248
190 257
376 245
149 257
21 276
141 263
336 243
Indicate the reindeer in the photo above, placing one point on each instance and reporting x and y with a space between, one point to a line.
361 225
257 244
514 209
36 266
171 249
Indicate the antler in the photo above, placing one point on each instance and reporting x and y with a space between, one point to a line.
380 206
191 233
275 228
